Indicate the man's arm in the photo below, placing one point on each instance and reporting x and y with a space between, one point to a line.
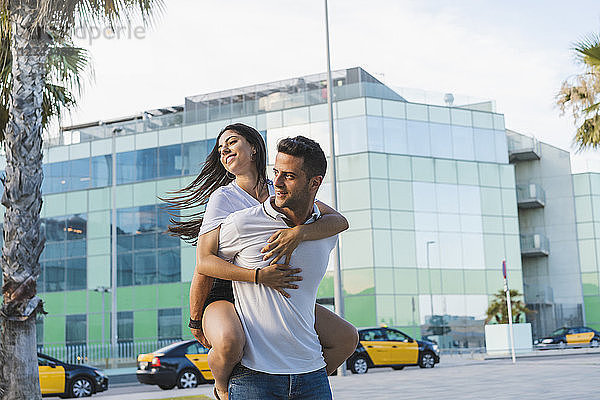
199 290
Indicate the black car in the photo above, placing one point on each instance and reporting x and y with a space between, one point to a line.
183 364
385 347
69 380
572 337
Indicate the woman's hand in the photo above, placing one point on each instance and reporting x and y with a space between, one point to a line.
279 277
199 336
283 243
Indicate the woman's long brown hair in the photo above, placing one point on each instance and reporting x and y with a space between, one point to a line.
212 177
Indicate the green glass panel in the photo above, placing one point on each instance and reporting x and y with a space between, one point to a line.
354 195
99 199
468 174
77 202
493 224
125 298
581 184
441 115
326 286
589 282
585 230
507 176
356 249
592 309
488 175
360 310
491 201
394 109
54 329
95 301
380 197
188 262
169 295
475 282
381 219
445 171
407 310
374 106
453 281
422 169
511 225
98 271
384 280
55 204
353 166
587 256
145 324
144 193
512 248
405 281
493 246
509 202
54 302
595 184
76 301
94 323
98 225
350 108
583 209
124 196
98 246
399 167
382 248
494 281
386 310
359 219
403 248
402 220
164 186
145 297
378 165
417 112
461 117
426 276
358 281
401 196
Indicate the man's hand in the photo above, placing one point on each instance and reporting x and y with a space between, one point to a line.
279 277
199 335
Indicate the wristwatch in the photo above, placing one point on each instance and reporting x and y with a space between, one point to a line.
195 324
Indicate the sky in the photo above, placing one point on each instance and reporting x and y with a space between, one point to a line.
514 52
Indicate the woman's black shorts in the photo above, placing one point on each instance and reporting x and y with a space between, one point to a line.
221 290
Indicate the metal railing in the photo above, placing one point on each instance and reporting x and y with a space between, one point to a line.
534 245
523 148
530 195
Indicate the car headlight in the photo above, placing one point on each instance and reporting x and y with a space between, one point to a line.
548 341
436 348
99 373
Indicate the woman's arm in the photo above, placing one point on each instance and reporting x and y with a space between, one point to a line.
284 241
276 276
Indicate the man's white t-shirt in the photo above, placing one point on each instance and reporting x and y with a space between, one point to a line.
280 332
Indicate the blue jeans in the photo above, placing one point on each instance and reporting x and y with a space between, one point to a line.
248 384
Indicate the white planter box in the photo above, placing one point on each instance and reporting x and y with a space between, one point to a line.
497 339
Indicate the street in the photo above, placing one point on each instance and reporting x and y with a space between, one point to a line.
551 377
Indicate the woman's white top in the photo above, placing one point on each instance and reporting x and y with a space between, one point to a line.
226 200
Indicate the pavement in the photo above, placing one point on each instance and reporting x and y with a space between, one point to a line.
551 374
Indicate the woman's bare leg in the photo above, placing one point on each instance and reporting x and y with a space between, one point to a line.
223 330
338 337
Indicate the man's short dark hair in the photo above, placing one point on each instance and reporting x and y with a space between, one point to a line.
315 163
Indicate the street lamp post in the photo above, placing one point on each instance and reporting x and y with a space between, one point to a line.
103 290
430 242
113 261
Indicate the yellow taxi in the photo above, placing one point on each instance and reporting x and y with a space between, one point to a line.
386 347
69 380
575 336
183 364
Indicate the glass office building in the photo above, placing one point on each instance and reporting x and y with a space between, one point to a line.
428 190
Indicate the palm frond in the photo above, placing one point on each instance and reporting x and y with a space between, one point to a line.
587 50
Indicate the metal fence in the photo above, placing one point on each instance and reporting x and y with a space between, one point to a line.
125 353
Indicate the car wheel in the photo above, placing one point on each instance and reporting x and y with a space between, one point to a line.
167 387
359 365
188 379
81 387
427 360
594 343
562 344
398 367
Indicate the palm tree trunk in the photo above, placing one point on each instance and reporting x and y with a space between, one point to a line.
23 239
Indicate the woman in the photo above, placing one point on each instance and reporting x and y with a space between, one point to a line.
234 178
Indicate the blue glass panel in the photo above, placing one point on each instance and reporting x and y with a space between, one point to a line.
126 170
54 251
147 220
125 269
146 166
144 264
57 177
169 160
76 273
55 276
169 265
79 174
77 227
144 241
55 228
126 221
76 248
194 155
418 138
101 171
124 243
485 147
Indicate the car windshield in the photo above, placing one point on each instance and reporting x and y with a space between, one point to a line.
558 332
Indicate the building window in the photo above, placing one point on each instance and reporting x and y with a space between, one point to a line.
169 324
75 328
125 326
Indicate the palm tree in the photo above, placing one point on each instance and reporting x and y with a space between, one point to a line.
498 309
581 93
32 25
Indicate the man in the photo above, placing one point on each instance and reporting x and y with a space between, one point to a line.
282 358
